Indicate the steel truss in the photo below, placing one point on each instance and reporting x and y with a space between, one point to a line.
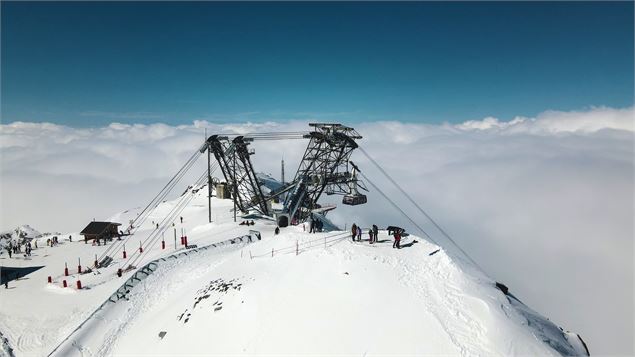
235 163
324 168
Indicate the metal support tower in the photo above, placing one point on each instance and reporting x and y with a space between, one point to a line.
323 169
235 163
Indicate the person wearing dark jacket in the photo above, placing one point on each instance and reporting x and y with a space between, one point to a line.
397 240
375 230
354 231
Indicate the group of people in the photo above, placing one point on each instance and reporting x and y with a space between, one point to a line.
315 226
356 235
247 223
16 248
52 242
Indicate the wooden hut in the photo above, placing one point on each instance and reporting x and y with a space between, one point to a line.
100 230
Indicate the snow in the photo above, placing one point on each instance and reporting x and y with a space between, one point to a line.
21 232
319 293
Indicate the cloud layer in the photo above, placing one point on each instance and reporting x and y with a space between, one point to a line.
543 204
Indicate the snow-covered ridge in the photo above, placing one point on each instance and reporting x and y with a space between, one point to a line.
292 293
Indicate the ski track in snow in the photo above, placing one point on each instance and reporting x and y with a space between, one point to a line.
463 329
465 332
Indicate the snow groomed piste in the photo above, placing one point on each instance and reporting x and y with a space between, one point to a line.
98 322
289 293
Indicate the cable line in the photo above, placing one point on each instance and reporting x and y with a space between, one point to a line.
153 204
419 208
397 207
167 220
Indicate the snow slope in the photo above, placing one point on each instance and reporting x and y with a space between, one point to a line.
316 293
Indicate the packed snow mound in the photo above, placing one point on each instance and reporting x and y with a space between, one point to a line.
23 231
19 234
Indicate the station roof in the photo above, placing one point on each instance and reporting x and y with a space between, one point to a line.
97 228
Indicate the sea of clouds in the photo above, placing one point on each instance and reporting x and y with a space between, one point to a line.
544 204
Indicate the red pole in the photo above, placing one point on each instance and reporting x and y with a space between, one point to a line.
64 283
65 269
185 240
79 266
162 244
140 248
79 285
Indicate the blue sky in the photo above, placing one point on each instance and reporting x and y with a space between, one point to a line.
89 63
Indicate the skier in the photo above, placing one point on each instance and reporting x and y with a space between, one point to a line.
181 220
157 226
359 233
70 238
277 231
370 235
354 231
397 236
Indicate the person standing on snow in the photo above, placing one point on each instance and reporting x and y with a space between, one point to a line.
370 235
375 230
397 236
359 233
354 231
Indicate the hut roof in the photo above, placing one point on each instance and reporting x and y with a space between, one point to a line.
97 228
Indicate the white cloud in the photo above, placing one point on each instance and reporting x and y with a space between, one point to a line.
551 122
544 204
